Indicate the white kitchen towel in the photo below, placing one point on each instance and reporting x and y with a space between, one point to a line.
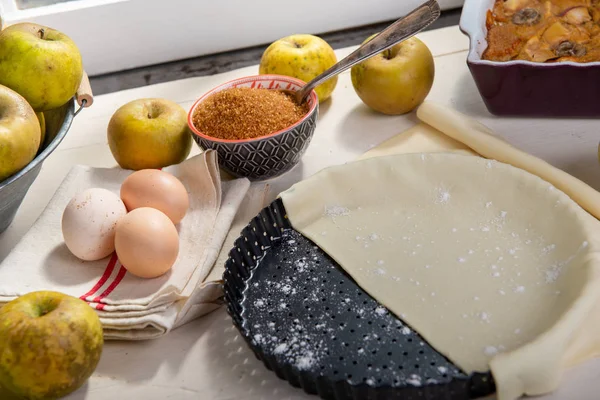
125 303
207 297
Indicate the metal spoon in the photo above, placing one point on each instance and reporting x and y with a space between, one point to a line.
407 26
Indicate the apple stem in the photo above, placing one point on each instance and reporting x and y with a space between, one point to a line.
41 33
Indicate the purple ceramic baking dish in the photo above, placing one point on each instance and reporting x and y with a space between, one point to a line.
524 88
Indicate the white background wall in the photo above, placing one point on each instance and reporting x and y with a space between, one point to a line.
121 34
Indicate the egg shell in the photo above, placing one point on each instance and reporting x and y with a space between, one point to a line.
157 189
146 242
89 221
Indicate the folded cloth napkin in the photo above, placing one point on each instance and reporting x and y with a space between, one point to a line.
130 307
445 130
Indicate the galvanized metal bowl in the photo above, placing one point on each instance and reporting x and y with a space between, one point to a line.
14 188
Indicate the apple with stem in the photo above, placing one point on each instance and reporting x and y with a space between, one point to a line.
50 344
40 63
397 80
149 133
303 57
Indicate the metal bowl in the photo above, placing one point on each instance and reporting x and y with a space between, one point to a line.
14 188
267 156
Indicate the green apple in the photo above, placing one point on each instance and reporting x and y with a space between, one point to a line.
303 57
42 121
19 133
149 134
40 63
50 344
397 80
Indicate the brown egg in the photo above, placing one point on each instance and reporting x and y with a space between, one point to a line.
156 189
146 242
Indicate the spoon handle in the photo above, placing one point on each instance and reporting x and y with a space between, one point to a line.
402 29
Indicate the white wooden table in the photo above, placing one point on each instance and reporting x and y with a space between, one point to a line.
207 359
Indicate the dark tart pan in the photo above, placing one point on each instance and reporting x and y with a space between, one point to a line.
312 325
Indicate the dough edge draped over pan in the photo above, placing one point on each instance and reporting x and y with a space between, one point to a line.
532 369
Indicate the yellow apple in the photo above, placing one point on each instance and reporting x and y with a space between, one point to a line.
303 57
42 120
50 344
41 64
19 133
149 134
397 80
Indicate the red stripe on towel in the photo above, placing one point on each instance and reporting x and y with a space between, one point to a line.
110 289
107 272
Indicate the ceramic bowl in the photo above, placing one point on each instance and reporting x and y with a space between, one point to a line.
524 88
14 188
267 156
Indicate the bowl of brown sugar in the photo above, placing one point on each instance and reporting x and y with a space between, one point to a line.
258 131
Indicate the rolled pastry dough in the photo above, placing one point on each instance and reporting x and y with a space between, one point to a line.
479 138
490 264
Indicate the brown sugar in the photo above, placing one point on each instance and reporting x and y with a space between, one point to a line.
246 113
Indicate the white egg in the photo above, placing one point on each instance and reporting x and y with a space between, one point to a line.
89 221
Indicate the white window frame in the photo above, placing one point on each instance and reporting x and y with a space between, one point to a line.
116 35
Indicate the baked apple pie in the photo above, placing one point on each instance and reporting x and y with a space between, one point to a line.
544 31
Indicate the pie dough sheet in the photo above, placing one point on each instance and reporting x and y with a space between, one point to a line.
457 133
480 139
564 335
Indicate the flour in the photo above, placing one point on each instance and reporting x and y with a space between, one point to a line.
552 273
442 196
336 211
414 380
306 361
485 317
380 311
548 249
280 348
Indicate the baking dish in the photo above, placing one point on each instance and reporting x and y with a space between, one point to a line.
524 88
